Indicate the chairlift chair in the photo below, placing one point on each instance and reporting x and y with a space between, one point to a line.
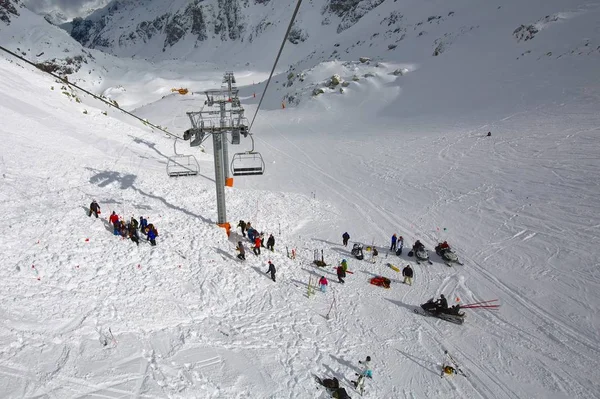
182 165
247 163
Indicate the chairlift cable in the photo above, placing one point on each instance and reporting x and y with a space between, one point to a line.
276 60
64 80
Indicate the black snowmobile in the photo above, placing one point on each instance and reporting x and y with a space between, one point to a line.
447 255
451 314
357 251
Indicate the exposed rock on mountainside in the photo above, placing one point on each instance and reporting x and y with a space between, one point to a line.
201 20
351 10
9 8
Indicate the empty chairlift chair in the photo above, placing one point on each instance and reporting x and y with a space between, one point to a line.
182 165
247 163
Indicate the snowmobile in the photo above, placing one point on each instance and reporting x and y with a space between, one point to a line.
357 251
451 314
447 255
422 255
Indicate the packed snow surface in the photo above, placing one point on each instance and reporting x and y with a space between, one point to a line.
88 314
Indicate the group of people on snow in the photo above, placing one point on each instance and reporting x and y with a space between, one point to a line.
333 385
255 238
127 229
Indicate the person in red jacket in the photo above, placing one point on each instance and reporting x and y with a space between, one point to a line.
114 219
257 244
323 284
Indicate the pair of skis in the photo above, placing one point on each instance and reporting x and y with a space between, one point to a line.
450 366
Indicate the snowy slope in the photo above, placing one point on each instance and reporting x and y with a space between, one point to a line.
392 154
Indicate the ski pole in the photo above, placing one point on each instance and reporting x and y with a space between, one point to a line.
481 302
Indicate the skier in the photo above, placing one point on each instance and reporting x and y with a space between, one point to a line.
344 265
323 284
366 373
341 274
152 233
449 366
442 303
242 251
271 242
394 240
242 225
399 246
345 238
257 244
94 208
272 271
407 272
489 134
143 224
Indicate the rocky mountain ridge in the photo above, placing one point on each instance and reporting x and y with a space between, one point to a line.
198 21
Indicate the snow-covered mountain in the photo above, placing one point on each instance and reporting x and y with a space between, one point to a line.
191 27
380 134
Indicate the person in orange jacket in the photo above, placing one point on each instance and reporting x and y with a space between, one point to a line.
257 244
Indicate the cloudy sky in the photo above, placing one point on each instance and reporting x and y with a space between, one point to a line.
71 8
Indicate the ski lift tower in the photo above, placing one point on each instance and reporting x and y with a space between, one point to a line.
221 114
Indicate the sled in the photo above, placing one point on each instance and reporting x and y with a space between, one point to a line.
393 267
381 281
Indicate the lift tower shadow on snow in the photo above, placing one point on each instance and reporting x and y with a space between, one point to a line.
222 113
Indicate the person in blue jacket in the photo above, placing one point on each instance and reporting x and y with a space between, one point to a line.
394 239
143 224
152 236
252 233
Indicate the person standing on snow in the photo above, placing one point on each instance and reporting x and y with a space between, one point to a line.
143 224
399 245
114 219
257 244
94 208
252 233
344 265
367 372
242 225
271 242
341 274
272 271
152 235
345 238
394 239
323 284
407 272
242 251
